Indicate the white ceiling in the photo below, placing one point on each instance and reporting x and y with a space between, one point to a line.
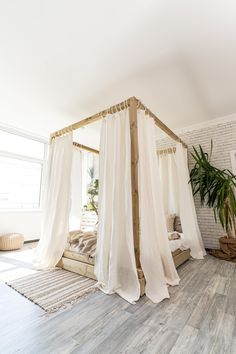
62 60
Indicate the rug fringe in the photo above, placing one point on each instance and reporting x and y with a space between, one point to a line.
74 300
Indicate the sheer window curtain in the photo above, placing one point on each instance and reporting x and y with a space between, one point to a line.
169 183
188 215
89 160
155 254
57 202
115 260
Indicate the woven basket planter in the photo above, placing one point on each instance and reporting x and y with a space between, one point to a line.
9 242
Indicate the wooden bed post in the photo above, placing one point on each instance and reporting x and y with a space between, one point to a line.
134 175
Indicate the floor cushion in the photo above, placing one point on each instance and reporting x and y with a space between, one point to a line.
9 242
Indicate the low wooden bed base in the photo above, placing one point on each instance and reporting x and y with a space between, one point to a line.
83 265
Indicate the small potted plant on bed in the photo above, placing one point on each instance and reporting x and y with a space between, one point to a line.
217 190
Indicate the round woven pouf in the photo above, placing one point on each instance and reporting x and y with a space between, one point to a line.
9 242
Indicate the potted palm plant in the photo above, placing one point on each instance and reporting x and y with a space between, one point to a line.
216 189
93 191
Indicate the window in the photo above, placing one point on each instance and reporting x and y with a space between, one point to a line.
89 161
233 161
21 170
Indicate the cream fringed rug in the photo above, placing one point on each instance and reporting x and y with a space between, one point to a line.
53 289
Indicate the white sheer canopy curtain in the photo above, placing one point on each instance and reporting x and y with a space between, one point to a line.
188 215
169 182
155 254
57 201
115 259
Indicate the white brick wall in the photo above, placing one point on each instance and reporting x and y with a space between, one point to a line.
224 141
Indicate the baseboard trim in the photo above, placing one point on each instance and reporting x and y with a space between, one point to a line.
30 241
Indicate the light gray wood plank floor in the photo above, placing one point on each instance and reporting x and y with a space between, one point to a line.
198 318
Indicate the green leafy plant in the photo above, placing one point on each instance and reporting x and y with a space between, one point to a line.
93 191
216 189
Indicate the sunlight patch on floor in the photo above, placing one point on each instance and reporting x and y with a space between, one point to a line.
17 264
16 273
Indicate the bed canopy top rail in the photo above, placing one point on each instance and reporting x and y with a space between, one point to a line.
86 148
161 125
116 108
94 118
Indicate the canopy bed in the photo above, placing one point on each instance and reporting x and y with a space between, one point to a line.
132 255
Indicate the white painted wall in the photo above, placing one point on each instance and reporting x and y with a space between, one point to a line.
27 223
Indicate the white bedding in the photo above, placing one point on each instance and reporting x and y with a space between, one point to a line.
179 243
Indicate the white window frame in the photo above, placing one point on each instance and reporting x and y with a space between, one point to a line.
42 162
233 161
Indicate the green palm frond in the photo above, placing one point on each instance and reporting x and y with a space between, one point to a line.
215 188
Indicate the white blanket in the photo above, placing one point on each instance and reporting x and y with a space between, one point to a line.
179 243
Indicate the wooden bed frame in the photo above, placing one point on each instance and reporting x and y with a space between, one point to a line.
84 265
